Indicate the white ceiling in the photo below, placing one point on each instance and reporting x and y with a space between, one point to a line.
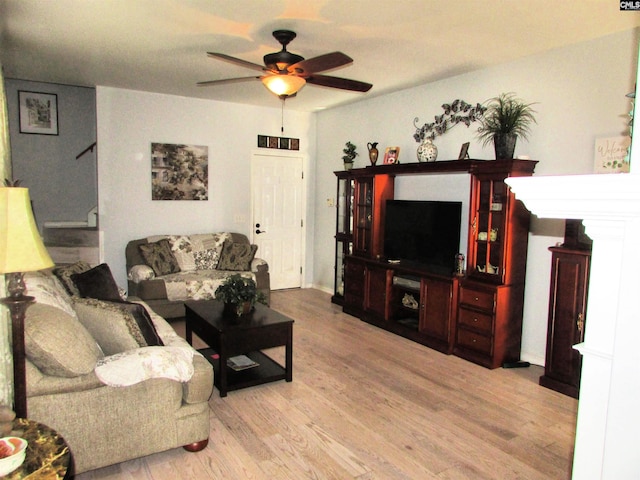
160 45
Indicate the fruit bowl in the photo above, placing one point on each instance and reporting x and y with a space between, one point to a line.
12 453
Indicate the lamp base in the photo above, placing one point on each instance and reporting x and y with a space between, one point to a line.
17 305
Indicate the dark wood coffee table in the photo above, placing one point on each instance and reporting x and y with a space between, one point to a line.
229 336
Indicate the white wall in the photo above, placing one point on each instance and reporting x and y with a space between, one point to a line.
129 121
580 93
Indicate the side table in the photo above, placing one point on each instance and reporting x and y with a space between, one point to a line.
48 456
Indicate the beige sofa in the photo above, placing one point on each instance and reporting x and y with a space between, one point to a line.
195 266
113 386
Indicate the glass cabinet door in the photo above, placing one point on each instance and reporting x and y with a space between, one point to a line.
488 229
344 230
363 215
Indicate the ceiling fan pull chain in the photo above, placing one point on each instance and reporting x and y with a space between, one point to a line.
282 118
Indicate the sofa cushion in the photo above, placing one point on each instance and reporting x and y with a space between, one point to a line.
97 282
116 326
158 256
57 343
64 273
236 256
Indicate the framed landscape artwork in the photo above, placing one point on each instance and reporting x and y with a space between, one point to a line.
179 172
38 112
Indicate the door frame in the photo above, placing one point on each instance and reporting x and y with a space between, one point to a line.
255 153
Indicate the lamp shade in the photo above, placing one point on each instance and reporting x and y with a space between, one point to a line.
283 85
21 248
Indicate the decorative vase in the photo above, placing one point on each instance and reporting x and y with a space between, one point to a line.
348 165
373 152
427 151
505 145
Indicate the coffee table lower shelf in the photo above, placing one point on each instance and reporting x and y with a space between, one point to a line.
267 371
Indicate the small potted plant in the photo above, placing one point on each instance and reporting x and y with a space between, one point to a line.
506 118
349 155
239 294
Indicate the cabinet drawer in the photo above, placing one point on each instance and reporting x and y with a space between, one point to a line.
476 320
474 341
477 298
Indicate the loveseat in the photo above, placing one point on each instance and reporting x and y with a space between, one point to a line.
167 270
111 376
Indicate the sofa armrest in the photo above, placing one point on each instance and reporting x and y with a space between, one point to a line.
259 265
200 387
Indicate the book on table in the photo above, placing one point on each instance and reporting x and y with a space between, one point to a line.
241 362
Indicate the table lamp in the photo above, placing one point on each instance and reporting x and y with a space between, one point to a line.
21 250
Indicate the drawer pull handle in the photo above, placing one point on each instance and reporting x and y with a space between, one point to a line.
477 299
475 319
473 341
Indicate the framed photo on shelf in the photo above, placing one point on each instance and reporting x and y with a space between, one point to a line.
391 155
464 151
38 112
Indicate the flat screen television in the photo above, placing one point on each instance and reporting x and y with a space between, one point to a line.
423 232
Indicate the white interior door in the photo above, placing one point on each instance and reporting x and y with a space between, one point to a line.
278 224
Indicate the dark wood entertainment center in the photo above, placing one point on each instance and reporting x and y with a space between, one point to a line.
476 315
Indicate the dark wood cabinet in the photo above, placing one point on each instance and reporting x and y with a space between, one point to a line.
492 294
478 315
489 330
438 301
377 285
354 283
371 194
405 301
567 321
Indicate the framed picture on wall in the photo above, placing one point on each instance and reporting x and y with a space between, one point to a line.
38 112
391 155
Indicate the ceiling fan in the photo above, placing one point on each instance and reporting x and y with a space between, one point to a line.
285 73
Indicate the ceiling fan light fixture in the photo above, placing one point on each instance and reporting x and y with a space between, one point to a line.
283 85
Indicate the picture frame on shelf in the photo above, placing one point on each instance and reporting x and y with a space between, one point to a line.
464 151
38 112
391 155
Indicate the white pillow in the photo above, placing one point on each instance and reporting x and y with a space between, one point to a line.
138 273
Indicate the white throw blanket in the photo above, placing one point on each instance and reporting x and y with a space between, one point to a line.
135 366
174 360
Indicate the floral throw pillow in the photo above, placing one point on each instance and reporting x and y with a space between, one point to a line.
206 259
64 273
236 256
158 255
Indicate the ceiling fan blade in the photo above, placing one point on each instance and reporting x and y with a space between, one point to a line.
226 80
342 83
321 63
237 61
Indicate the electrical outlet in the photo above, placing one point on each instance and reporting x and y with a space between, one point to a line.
239 218
330 202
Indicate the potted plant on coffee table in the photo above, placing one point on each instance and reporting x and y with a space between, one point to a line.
506 118
239 295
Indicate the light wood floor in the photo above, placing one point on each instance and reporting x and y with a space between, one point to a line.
366 404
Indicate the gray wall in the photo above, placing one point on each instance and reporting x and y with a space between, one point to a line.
61 187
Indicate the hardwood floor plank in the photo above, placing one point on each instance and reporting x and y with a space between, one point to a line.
366 404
